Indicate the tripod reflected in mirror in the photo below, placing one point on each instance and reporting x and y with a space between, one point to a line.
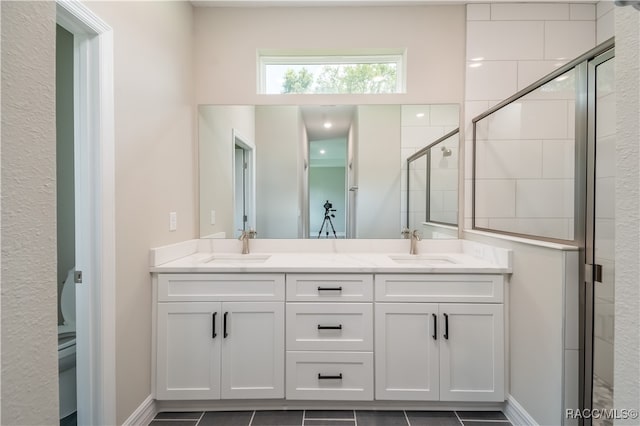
328 209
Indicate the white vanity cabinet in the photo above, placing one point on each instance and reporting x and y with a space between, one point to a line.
219 336
439 337
329 341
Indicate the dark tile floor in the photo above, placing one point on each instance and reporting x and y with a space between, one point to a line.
332 418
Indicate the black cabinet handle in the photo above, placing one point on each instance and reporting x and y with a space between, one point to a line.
213 325
321 377
329 288
446 326
224 325
435 327
330 327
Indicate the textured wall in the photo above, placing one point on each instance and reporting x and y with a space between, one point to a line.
29 314
627 290
155 167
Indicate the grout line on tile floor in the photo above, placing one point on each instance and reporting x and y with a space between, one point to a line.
355 419
252 416
201 416
459 419
406 417
486 420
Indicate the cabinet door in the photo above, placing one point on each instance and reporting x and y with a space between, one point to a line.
253 350
188 354
407 351
472 354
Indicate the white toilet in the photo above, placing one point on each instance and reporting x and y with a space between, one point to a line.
67 348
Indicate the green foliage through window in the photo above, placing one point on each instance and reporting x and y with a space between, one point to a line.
342 79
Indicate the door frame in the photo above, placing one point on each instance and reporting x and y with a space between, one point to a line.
95 210
249 148
588 282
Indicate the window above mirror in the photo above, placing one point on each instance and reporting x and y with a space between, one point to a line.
331 73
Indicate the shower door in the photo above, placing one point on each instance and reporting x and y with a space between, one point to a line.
600 238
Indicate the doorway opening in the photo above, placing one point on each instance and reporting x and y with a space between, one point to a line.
243 184
93 211
327 187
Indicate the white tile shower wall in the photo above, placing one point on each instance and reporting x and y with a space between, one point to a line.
509 47
422 125
605 23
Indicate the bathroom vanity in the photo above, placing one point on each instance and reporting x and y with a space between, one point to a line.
329 321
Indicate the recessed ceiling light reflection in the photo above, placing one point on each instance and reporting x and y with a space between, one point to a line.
327 124
479 58
420 114
475 65
322 151
562 77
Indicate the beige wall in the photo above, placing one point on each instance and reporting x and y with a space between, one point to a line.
29 313
277 146
226 40
215 151
378 174
155 167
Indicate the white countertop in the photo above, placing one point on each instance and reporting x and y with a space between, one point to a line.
461 257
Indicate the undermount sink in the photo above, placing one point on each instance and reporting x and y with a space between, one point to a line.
422 259
238 258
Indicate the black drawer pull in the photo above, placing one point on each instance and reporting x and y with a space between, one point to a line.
224 325
213 325
329 288
446 326
435 327
321 377
330 327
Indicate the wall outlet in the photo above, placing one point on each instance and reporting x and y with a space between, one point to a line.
213 217
173 221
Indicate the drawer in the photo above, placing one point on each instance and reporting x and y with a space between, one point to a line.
330 326
439 288
220 287
330 376
329 287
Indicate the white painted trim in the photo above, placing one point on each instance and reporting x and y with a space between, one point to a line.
95 186
516 414
143 414
290 404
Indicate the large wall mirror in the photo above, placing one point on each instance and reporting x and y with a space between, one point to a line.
329 171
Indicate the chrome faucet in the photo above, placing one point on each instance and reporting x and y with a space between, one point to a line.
415 237
245 236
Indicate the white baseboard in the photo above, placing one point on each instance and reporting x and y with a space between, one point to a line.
143 414
517 414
